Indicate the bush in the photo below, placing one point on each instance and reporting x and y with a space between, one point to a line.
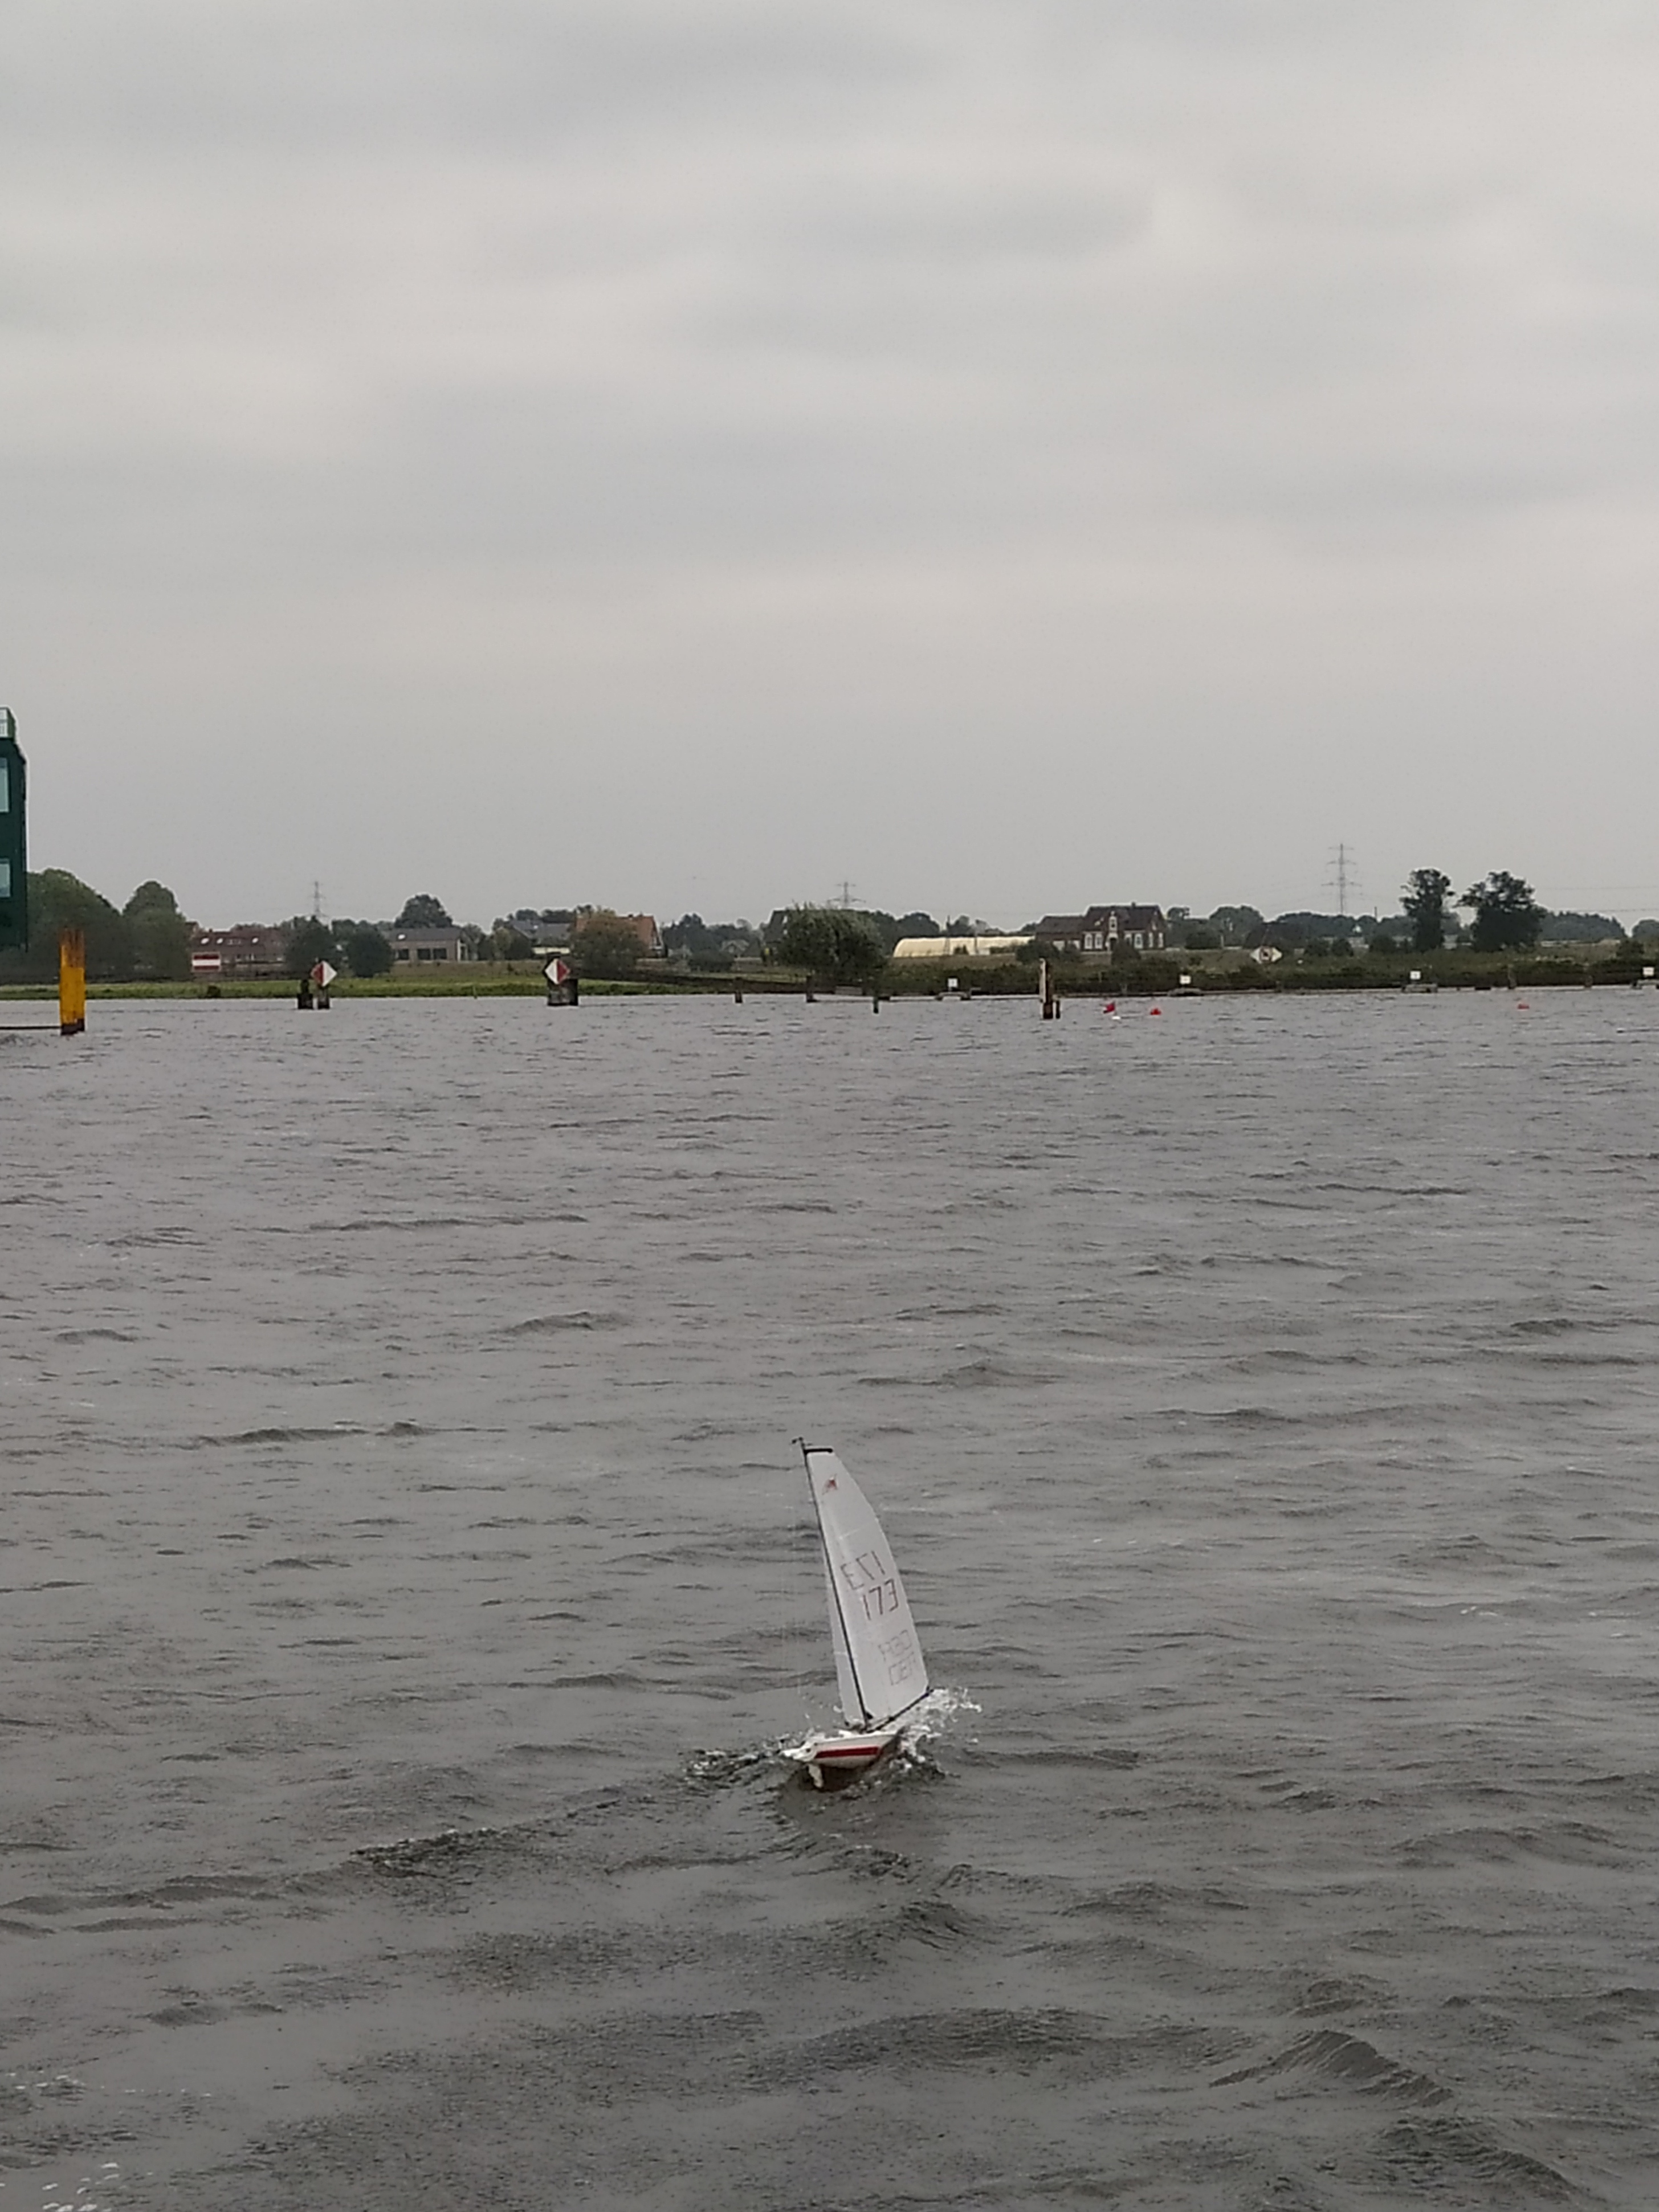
602 945
833 944
366 952
161 935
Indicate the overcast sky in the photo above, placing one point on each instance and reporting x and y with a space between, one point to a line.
691 455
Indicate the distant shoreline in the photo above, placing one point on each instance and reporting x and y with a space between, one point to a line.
1157 977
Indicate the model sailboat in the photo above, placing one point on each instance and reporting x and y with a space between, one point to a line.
879 1667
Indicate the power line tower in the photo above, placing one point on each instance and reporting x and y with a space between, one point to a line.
846 898
1344 876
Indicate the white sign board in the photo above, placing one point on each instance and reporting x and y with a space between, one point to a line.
557 971
322 974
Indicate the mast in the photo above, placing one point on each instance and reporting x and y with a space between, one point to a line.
835 1587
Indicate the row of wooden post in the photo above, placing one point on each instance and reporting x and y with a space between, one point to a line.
1050 996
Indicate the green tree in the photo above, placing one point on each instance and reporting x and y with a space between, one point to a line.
1233 924
833 944
310 940
424 912
510 944
1043 948
365 950
161 935
1425 902
1507 917
60 901
604 943
1566 927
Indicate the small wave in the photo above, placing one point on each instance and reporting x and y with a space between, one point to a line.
552 1324
1110 1756
1563 1843
1335 1993
1627 2002
1627 1792
1589 1359
932 1921
374 1224
1447 2152
297 1436
1335 2057
1571 1324
450 1848
166 1903
984 1374
724 1770
1155 1900
905 2043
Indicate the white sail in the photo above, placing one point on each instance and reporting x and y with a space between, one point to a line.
846 1681
879 1661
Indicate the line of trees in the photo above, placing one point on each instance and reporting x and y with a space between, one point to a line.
362 948
146 940
1507 918
150 939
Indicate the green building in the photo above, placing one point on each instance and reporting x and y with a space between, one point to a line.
14 845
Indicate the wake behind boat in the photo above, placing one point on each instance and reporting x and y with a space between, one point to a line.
879 1668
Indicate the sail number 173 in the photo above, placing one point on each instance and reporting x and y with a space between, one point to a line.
875 1589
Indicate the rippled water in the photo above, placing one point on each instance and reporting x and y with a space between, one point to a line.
405 1570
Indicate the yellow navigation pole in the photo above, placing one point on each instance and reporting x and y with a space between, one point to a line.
72 981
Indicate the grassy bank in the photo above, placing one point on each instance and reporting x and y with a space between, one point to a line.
474 979
1160 975
1157 976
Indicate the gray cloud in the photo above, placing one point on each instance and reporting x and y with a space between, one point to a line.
510 447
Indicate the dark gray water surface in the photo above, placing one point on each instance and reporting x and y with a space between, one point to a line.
405 1568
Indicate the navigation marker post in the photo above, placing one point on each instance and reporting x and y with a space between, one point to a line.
563 988
321 976
71 983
